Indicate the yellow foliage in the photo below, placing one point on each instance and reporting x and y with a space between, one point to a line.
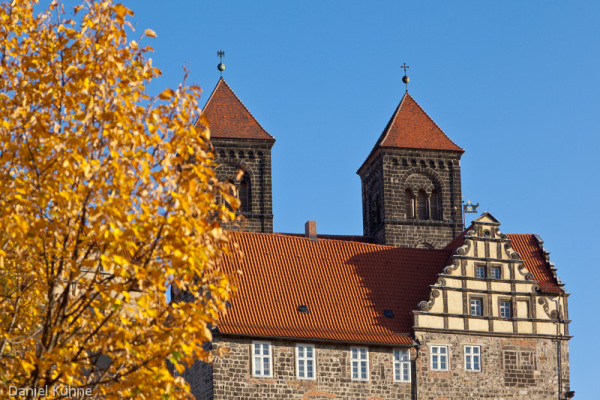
101 210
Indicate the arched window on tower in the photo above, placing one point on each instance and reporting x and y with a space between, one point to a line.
375 212
434 205
374 207
421 205
409 202
244 195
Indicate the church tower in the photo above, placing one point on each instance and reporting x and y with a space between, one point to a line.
411 190
240 142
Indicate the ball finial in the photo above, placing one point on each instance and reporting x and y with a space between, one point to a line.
405 78
221 66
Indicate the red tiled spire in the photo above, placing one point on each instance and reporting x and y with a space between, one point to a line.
411 128
229 118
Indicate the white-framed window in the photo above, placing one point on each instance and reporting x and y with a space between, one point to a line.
401 365
472 358
439 358
477 307
262 359
496 273
305 361
505 311
360 363
480 271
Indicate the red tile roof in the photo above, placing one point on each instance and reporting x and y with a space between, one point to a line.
527 247
411 128
346 285
229 118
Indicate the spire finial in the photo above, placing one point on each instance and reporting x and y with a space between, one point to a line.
405 79
221 66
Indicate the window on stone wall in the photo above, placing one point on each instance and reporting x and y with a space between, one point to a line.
244 195
477 307
305 361
472 358
505 309
360 363
402 365
375 210
262 362
527 360
409 203
439 358
421 205
434 205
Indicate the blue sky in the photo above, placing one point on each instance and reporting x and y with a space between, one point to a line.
514 83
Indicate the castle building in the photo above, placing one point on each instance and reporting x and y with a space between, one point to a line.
417 308
240 142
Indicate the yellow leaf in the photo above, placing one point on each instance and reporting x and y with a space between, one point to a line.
150 33
166 94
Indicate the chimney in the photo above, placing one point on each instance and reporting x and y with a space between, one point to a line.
310 230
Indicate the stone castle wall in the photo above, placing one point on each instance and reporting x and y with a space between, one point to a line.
511 368
233 379
200 378
254 157
389 173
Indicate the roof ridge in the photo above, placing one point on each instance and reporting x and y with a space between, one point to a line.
389 125
353 242
221 79
212 93
385 132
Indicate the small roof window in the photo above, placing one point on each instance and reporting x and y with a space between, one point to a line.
303 309
388 313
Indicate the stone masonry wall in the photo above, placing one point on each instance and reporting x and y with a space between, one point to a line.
233 379
511 368
200 378
395 170
254 157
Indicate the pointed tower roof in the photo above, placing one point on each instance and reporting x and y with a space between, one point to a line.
411 128
229 118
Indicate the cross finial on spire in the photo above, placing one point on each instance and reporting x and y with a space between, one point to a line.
221 66
405 79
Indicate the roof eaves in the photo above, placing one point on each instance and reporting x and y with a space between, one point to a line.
322 340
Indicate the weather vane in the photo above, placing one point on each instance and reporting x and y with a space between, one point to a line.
405 79
221 66
469 208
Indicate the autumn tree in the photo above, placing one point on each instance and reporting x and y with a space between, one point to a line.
107 196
